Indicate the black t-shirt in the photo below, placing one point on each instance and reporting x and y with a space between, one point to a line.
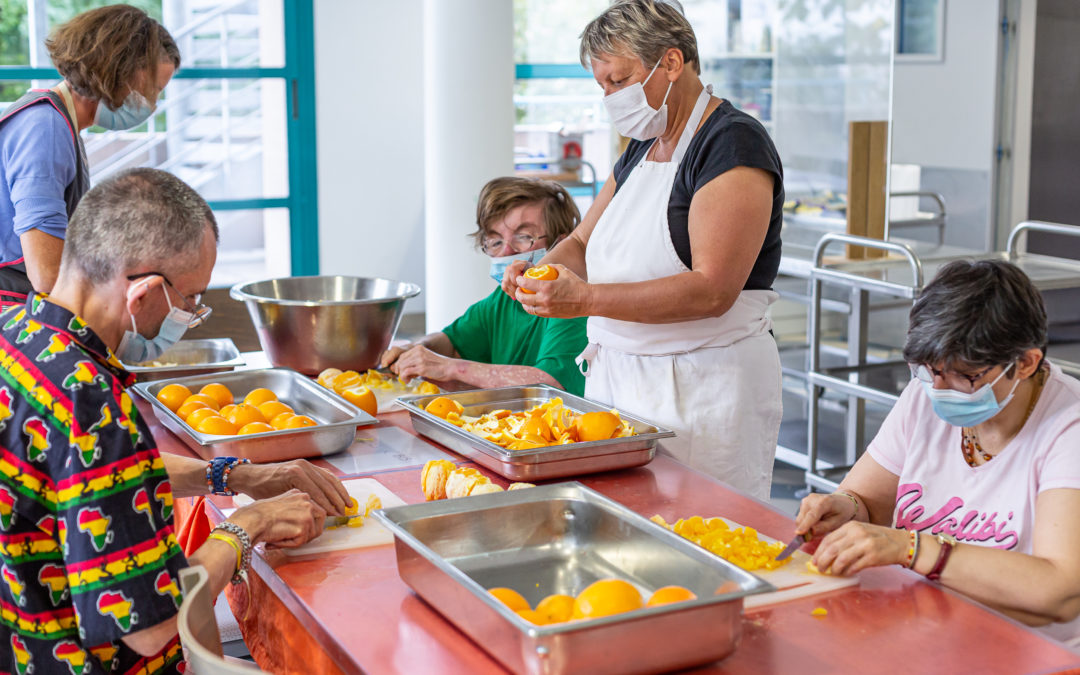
728 138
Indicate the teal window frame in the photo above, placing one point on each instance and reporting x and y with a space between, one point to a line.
299 75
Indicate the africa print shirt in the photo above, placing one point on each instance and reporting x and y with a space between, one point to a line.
87 549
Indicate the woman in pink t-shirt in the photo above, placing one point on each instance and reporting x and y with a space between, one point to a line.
974 478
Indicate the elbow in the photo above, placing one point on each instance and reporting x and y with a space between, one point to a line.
717 304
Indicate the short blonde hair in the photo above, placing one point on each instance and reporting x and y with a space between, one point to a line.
641 28
502 195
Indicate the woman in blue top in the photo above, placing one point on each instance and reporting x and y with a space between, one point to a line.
115 61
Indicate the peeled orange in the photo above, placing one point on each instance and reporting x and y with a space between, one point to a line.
669 594
542 273
346 380
326 377
173 396
606 597
510 598
362 398
218 392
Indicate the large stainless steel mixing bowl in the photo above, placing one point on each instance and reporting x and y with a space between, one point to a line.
313 323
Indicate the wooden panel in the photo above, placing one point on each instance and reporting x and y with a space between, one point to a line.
875 184
858 170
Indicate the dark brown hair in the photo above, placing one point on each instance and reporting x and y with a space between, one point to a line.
502 195
101 52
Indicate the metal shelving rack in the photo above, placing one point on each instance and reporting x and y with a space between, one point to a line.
901 276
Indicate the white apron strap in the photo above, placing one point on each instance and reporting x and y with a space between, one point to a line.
692 124
586 357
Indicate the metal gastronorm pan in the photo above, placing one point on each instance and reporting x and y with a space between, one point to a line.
558 461
558 539
192 357
337 417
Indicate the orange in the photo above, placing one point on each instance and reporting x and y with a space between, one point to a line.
217 425
510 598
556 608
218 392
427 388
281 419
537 430
299 422
362 398
346 380
226 410
542 273
442 406
199 415
173 396
184 411
254 428
531 616
596 426
667 594
606 597
210 402
260 395
730 586
272 409
245 414
326 377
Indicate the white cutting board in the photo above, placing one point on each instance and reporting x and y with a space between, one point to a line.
370 534
793 580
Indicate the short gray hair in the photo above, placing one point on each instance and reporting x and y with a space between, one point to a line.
138 218
977 313
645 29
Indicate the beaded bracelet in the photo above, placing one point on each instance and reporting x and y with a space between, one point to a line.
854 502
245 543
913 549
217 474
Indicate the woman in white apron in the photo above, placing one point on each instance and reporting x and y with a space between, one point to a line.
675 260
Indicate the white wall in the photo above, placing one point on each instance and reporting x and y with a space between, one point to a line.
943 113
370 116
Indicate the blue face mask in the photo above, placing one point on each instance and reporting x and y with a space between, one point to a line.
135 348
135 110
967 410
499 264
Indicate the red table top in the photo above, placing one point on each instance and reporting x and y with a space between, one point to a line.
354 608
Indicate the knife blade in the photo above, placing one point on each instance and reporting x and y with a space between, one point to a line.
341 521
797 542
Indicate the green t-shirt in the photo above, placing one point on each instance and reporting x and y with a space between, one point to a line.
497 330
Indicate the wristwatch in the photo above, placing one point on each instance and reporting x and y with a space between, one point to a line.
947 543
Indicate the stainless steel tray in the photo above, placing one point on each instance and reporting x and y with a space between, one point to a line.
558 539
557 461
337 417
191 357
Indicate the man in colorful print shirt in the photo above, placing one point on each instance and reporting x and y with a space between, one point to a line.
89 562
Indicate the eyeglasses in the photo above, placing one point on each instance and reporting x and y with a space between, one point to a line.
958 381
519 243
199 312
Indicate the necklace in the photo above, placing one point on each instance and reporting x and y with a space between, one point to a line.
969 439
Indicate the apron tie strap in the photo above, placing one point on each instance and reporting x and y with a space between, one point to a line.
586 357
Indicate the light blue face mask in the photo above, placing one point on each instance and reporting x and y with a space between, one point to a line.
499 264
135 348
135 110
968 410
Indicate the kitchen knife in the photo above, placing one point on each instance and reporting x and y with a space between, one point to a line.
798 541
341 521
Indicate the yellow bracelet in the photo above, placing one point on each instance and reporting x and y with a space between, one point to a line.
230 542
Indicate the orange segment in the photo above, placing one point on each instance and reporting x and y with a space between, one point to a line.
556 608
245 414
362 398
510 598
199 415
217 425
606 597
254 428
184 411
346 380
542 273
260 395
218 392
326 377
272 409
299 422
173 396
210 402
669 594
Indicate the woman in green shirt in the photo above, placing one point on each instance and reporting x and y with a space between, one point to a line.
496 343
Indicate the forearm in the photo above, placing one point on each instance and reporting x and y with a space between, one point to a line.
439 343
569 253
41 256
187 475
489 375
680 297
1029 588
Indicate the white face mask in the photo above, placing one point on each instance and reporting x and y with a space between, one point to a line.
631 113
500 263
135 348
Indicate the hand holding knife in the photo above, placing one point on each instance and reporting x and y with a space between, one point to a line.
795 544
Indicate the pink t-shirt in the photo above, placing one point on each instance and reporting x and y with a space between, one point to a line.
992 504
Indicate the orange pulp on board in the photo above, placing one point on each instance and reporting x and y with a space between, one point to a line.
442 406
217 425
606 597
260 395
218 392
363 398
510 598
542 273
668 594
254 428
245 414
173 396
556 608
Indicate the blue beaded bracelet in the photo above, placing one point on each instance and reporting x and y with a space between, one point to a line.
217 474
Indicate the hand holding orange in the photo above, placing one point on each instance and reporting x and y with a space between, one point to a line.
542 273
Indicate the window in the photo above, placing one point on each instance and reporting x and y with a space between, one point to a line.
920 30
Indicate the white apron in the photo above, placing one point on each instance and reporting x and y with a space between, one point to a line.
714 381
